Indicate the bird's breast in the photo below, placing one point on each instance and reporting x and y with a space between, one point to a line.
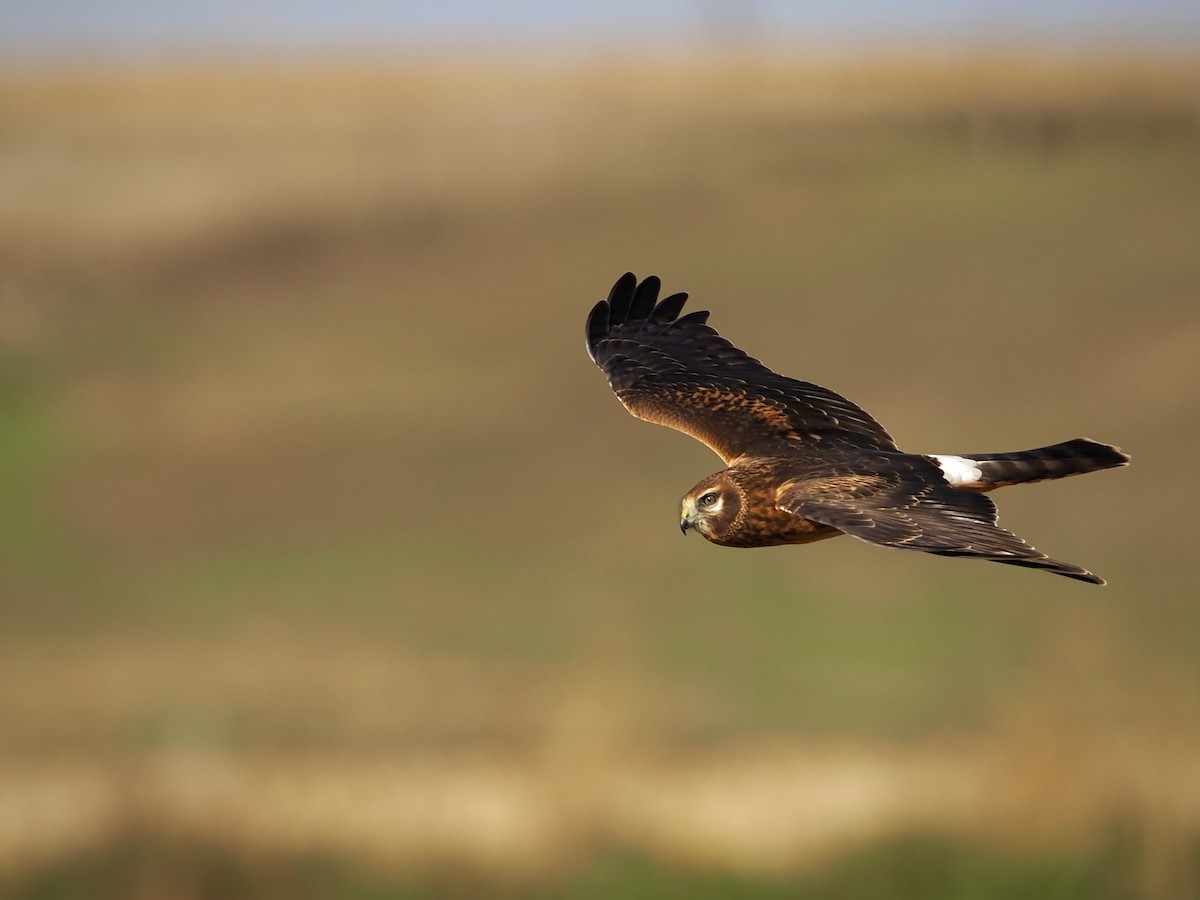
769 526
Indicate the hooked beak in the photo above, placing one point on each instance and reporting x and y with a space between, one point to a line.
687 516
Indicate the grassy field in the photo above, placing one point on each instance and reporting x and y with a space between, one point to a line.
330 566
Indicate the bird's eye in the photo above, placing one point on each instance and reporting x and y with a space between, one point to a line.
708 499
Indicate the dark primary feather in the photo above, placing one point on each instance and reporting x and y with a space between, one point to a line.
677 371
900 506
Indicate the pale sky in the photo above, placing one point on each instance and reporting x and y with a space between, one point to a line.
123 27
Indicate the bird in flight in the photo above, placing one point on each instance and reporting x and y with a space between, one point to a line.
802 462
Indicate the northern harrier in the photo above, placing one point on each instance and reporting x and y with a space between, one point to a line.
804 463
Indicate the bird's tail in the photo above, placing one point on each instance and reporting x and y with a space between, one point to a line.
1074 457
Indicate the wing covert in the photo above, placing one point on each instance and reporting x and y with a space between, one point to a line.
676 370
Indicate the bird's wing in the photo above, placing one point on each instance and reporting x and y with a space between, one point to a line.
677 371
896 509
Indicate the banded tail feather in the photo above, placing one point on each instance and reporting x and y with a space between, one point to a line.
987 471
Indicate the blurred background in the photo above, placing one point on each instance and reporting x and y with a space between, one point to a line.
329 565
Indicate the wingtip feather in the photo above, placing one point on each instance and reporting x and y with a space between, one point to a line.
621 297
645 296
597 327
668 309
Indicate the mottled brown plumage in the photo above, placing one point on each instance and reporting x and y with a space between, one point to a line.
804 463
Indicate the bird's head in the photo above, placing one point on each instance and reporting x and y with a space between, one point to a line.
711 507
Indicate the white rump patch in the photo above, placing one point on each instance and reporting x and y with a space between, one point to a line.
957 470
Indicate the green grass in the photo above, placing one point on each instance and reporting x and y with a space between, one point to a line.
935 868
31 454
920 866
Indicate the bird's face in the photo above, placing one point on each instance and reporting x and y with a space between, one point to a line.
711 506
